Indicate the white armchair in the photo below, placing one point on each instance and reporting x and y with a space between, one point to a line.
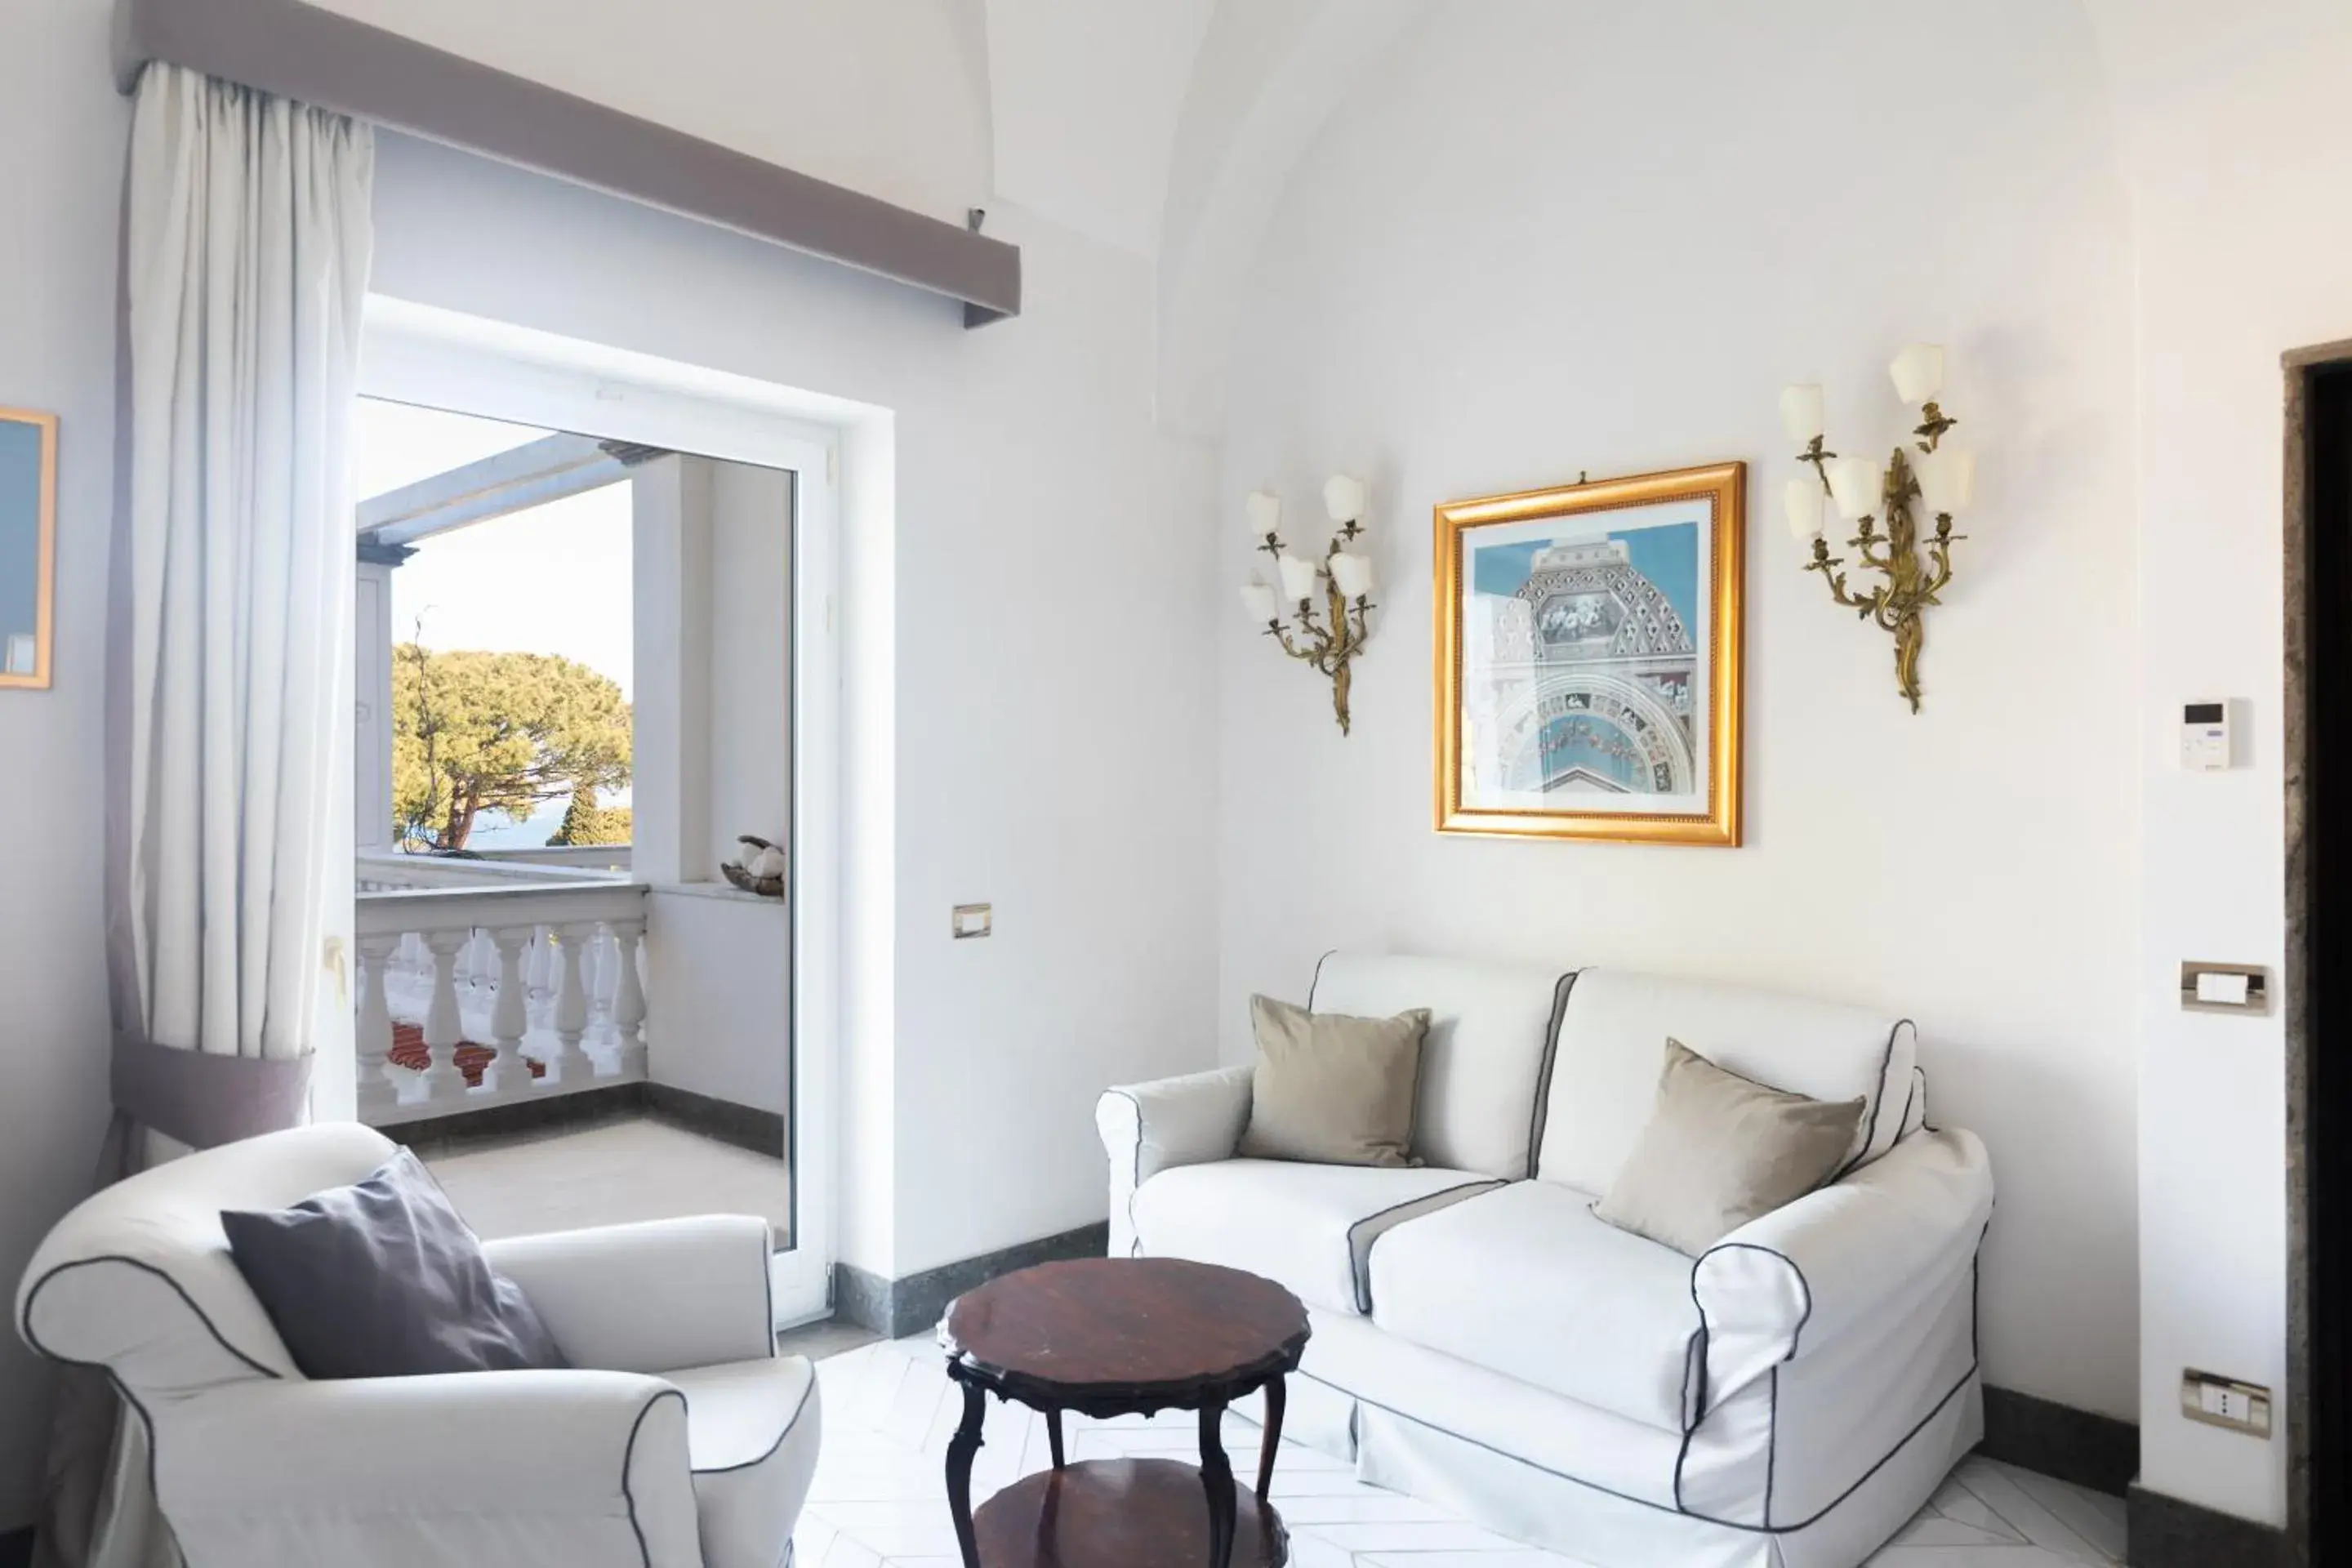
690 1445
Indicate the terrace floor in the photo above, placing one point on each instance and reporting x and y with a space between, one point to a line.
607 1173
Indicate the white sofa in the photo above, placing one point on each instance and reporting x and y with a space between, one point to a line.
680 1439
1787 1400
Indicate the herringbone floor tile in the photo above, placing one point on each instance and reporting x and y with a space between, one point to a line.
880 1498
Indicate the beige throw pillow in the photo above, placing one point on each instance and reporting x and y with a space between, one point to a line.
1333 1090
1719 1151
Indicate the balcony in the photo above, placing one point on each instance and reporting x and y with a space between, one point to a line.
486 982
572 1034
520 984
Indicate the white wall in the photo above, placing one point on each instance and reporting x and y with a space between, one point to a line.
1647 221
1052 741
671 572
717 958
710 591
63 130
2240 152
889 97
750 781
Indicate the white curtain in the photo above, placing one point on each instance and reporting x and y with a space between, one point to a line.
246 268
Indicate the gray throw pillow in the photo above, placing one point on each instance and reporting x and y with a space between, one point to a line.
382 1279
1333 1090
1721 1149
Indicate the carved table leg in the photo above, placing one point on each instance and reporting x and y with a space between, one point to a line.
1054 1434
961 1449
1272 1440
1217 1477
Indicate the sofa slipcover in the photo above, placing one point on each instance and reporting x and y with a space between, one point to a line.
1307 1227
1612 1046
1482 1056
1789 1399
1525 1281
676 1439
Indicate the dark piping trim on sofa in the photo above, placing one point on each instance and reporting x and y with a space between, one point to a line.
1706 1336
798 1411
1135 1169
1878 1101
629 1461
1542 1111
1900 1444
1363 1272
1312 985
25 1318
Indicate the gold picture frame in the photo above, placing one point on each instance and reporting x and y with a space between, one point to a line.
1589 653
28 546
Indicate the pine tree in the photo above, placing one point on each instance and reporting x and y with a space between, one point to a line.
585 822
476 731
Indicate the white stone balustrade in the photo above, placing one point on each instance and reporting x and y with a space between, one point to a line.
380 871
540 970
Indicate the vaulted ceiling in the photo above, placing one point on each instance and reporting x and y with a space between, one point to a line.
1167 129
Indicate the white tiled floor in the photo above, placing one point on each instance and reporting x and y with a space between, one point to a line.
879 1500
608 1175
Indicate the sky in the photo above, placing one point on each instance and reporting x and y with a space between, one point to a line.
551 580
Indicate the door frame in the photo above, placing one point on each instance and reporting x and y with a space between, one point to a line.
2303 1044
443 359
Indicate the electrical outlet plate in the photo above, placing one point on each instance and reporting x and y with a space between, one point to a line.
974 919
2226 1403
2239 988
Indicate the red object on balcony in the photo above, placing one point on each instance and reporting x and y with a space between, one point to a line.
408 1051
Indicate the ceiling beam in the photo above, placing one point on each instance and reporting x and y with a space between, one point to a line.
534 475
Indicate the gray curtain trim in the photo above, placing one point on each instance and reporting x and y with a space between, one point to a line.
316 56
202 1100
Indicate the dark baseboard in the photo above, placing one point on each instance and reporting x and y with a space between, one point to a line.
897 1308
2036 1433
761 1131
435 1135
17 1548
2166 1533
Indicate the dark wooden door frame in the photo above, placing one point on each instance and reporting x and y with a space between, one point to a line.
2301 366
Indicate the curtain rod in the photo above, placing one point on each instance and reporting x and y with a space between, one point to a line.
311 55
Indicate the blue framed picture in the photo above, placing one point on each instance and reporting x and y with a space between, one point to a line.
28 544
1588 660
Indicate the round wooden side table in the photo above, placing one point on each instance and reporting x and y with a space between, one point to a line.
1122 1336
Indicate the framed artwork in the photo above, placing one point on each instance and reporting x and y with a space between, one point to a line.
28 544
1588 660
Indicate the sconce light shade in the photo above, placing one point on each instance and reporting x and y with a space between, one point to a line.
1854 485
1353 574
1801 499
1258 599
1947 480
1265 510
1343 497
1297 578
1918 373
1801 412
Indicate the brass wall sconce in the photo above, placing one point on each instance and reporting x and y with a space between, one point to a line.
1327 642
1943 478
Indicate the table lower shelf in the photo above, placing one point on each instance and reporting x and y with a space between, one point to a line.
1120 1513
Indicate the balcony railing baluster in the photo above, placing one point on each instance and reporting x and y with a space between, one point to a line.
517 970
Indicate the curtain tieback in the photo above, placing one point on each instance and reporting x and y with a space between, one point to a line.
202 1100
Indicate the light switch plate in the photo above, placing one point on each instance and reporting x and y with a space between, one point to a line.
2226 1403
974 919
